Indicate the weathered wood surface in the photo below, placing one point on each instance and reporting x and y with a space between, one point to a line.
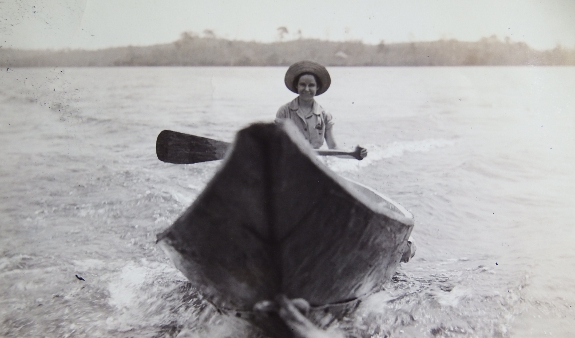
274 220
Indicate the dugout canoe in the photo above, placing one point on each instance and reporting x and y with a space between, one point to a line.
274 220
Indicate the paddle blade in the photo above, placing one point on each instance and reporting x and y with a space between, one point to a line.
180 148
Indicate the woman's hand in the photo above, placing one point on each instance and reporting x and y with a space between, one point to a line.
292 312
362 152
295 320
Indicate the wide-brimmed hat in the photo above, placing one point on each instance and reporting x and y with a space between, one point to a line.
303 67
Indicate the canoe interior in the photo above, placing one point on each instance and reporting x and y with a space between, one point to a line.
378 199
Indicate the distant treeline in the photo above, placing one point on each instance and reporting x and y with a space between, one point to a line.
191 50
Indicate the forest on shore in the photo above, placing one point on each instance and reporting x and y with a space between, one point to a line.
193 50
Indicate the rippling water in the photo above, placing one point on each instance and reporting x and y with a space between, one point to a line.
483 157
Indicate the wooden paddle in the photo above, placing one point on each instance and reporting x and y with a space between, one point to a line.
180 148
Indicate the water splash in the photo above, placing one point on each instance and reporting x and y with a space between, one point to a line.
377 153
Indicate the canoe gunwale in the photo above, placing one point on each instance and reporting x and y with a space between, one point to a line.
321 315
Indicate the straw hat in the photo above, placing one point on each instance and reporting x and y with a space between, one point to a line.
302 67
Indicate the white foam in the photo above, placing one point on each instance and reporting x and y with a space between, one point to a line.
452 298
377 153
89 264
123 289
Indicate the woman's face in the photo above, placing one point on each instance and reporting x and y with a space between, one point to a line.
307 86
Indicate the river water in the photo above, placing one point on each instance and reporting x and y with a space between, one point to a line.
482 156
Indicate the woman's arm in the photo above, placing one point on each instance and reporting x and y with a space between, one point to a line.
281 114
329 139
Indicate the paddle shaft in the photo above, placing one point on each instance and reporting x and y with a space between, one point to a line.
356 154
180 148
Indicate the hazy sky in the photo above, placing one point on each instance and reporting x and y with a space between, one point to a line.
104 23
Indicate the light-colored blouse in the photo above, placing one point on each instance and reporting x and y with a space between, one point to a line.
313 126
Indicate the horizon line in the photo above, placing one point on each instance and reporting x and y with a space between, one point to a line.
194 35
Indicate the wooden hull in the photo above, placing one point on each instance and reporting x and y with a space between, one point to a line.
274 220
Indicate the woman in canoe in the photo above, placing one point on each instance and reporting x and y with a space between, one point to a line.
309 79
